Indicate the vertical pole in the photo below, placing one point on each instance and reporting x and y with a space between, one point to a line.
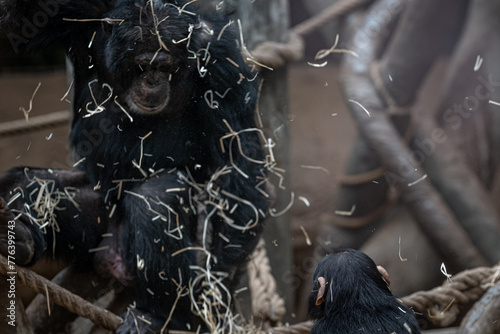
264 20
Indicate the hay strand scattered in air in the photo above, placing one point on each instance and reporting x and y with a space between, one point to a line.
417 181
323 169
308 240
479 62
325 52
26 112
359 104
107 20
346 213
399 252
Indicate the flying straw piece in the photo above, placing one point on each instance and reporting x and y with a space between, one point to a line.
399 252
318 65
308 240
305 200
359 104
26 112
417 181
445 273
315 168
323 53
346 213
479 62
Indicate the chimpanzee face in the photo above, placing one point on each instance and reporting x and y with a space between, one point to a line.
152 54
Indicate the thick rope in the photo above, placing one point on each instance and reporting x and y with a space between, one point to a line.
36 123
464 289
339 8
483 316
60 296
301 328
266 302
273 54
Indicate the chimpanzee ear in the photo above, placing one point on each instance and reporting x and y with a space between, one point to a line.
385 274
107 26
321 291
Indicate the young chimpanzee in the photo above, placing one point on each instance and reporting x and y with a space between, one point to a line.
351 295
168 160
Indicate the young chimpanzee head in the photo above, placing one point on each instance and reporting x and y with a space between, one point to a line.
351 295
345 276
151 49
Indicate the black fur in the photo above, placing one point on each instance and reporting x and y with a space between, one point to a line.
120 66
358 299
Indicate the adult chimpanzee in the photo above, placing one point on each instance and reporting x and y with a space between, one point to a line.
351 295
164 141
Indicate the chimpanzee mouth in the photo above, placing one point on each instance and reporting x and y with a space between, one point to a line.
148 105
151 109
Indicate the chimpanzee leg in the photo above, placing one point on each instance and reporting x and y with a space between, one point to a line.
55 210
157 224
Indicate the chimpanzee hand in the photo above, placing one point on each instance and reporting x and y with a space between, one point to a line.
15 237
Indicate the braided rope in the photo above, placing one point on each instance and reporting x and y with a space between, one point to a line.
273 54
266 302
339 8
61 296
36 123
464 288
301 328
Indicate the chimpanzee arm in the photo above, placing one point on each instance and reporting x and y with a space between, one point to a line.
55 210
230 94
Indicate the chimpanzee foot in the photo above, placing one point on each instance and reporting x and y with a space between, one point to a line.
139 322
15 238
